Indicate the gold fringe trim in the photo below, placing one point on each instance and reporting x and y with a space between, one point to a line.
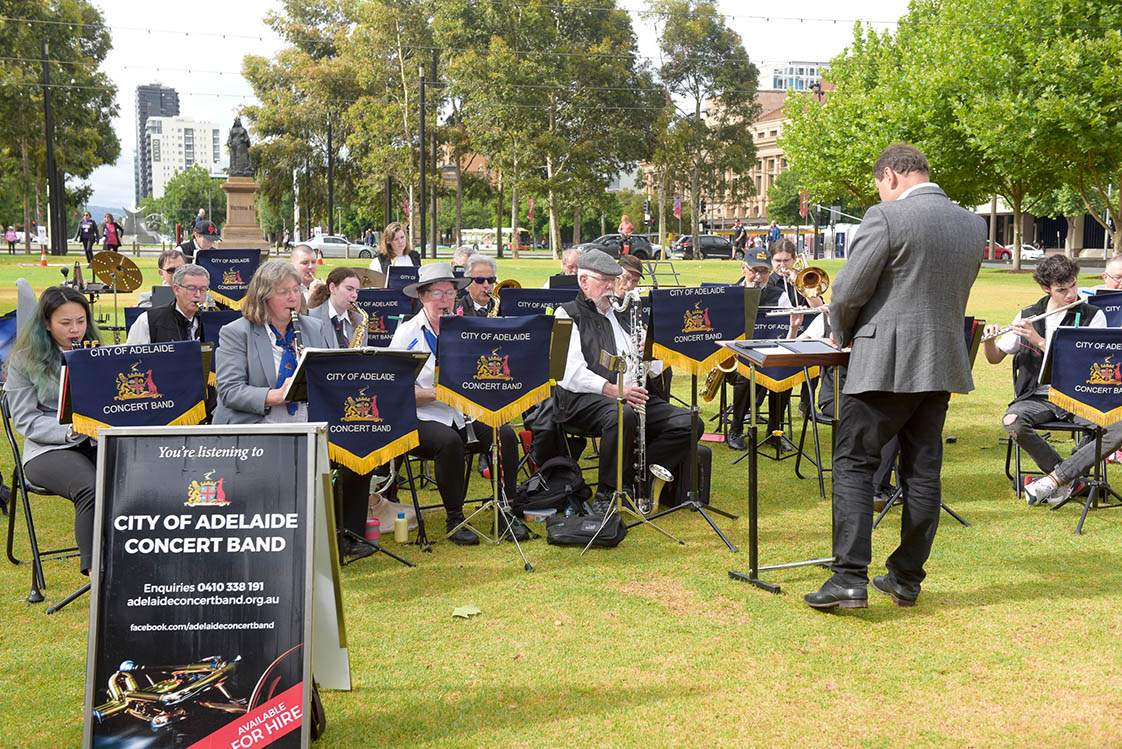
87 426
363 464
193 415
487 416
776 386
212 379
1078 408
673 358
231 303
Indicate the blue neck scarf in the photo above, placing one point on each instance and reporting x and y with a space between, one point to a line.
288 358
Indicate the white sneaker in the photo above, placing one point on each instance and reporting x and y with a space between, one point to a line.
1041 491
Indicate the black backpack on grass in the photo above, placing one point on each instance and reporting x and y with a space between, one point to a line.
558 484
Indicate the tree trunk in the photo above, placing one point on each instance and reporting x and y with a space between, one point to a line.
695 218
662 211
993 226
514 210
603 225
576 226
414 235
459 199
1016 249
499 219
26 201
1069 240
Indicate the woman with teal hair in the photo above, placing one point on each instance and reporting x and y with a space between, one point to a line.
54 457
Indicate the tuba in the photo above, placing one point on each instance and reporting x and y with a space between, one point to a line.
716 378
509 283
358 338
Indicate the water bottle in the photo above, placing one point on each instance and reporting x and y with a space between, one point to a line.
373 529
401 529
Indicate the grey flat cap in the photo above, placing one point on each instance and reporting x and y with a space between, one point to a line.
598 261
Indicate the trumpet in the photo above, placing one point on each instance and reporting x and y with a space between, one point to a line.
1002 331
812 281
715 378
508 283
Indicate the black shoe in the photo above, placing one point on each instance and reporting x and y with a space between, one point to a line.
464 536
602 504
520 531
736 442
881 500
884 584
356 549
831 594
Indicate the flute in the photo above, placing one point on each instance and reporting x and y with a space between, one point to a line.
1002 331
797 311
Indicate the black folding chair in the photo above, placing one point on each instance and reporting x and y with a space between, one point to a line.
21 484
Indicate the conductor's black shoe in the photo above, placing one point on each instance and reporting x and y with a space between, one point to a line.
832 595
881 500
355 549
736 441
884 584
464 536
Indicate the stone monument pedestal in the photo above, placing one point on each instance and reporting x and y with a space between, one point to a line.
241 231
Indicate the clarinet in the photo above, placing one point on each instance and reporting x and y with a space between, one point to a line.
297 336
637 369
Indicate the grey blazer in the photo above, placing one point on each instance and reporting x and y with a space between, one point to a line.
901 298
35 419
245 370
323 314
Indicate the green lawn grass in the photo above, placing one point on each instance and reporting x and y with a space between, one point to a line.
1013 641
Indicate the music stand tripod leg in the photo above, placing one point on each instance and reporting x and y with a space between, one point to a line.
753 574
69 599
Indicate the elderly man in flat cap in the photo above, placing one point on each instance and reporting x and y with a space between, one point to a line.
585 399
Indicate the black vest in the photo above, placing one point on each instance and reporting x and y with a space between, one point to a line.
166 324
1028 360
596 335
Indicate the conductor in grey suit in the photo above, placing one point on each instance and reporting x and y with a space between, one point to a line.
257 353
899 302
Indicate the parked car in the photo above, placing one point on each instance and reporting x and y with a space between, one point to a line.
333 245
997 252
712 245
610 243
1029 252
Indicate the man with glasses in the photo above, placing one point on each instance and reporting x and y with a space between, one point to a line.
166 264
476 300
585 399
176 321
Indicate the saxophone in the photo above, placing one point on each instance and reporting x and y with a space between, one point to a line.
358 338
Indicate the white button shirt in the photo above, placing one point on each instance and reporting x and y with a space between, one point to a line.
578 377
409 335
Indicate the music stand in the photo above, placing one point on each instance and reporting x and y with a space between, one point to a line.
767 353
298 390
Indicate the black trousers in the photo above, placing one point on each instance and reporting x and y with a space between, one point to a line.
446 447
867 422
352 493
776 403
88 244
668 433
71 472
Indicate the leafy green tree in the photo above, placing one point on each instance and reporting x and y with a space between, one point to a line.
83 98
706 69
185 194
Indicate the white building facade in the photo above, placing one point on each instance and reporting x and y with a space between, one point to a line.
175 144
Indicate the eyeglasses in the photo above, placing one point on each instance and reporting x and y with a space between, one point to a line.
439 294
483 279
194 289
1112 277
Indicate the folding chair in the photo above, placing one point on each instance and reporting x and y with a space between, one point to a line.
21 484
1013 457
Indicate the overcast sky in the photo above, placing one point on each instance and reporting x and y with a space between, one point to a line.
196 48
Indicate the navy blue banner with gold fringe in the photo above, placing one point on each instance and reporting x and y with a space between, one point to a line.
775 379
686 324
493 368
400 276
369 405
515 302
1087 372
230 271
1110 302
212 322
152 384
385 309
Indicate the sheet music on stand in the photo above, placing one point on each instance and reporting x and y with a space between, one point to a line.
297 389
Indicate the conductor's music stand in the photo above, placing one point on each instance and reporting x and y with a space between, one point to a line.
767 353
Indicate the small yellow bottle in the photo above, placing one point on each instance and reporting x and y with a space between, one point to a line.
401 529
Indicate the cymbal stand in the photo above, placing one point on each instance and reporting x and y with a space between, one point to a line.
621 502
503 521
116 319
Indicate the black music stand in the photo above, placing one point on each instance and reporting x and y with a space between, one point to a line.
767 353
298 390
